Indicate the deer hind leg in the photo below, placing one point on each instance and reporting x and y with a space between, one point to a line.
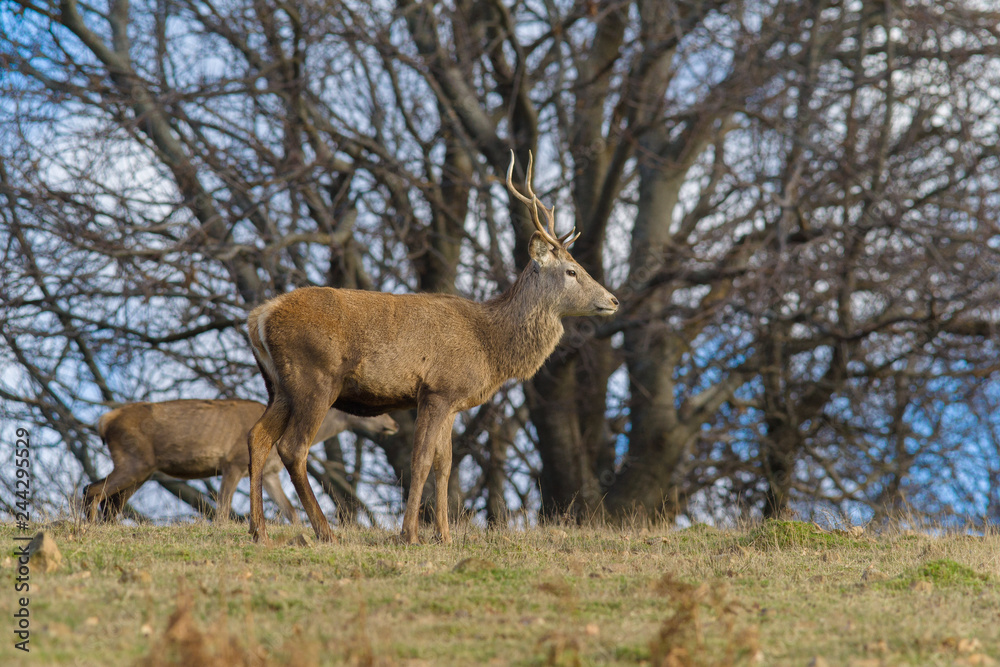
92 498
224 502
112 506
268 429
442 471
124 480
293 448
272 484
434 422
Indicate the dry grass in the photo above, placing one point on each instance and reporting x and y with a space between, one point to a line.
782 593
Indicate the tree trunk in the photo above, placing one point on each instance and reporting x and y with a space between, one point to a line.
497 511
567 401
780 446
644 483
655 442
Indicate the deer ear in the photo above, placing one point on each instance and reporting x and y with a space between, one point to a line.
540 249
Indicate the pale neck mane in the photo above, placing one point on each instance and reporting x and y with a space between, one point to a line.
525 327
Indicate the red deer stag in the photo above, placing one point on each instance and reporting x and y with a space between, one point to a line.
194 439
368 353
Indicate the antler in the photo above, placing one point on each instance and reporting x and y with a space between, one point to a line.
549 233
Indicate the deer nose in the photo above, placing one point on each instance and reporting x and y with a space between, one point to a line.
614 299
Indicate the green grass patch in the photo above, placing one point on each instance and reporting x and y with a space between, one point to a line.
940 573
777 534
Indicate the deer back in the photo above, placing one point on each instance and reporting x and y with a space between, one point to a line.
187 438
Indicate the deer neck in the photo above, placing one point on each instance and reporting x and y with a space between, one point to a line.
525 327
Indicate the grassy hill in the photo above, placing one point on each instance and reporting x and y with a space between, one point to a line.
779 593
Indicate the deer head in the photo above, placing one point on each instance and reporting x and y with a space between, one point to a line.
557 273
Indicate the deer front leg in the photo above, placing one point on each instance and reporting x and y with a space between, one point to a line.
434 422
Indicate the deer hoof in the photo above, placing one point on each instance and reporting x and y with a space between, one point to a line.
260 538
408 539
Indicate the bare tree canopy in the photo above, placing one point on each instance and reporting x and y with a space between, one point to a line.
796 202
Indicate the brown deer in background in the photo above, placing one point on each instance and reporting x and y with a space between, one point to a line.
194 439
368 353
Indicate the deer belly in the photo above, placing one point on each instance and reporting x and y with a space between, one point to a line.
196 465
368 397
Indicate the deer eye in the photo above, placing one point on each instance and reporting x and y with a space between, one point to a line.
571 273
